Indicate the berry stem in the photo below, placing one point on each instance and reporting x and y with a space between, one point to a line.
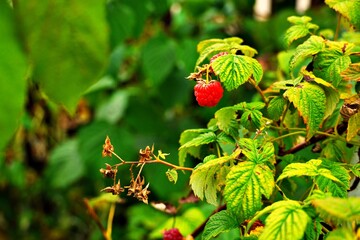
258 89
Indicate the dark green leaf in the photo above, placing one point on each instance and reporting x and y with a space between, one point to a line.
220 222
276 107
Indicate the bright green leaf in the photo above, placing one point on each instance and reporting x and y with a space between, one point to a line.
287 222
245 185
309 168
202 139
68 49
301 28
204 181
276 107
233 70
12 76
213 46
257 70
226 120
251 119
347 8
310 101
341 210
341 234
257 151
330 63
220 222
353 126
332 100
309 48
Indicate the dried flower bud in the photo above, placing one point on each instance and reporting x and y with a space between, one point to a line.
115 190
145 155
108 172
108 148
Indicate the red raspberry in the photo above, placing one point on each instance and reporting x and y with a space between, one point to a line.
172 234
208 94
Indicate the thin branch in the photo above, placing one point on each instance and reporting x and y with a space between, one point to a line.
94 216
340 129
258 89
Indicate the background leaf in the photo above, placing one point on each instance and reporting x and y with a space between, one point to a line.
12 77
347 8
352 73
353 127
301 28
69 49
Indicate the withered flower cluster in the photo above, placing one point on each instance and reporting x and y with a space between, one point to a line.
137 187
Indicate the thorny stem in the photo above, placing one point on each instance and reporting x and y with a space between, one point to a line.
258 89
156 161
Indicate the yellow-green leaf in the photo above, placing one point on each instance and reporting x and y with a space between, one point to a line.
341 234
245 185
172 175
353 126
352 73
347 8
301 28
310 101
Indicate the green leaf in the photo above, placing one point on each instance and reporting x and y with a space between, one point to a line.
185 137
172 175
204 181
310 101
347 8
69 49
310 77
233 70
63 160
257 151
226 120
220 222
336 180
341 210
353 126
213 46
257 70
276 107
250 119
330 63
309 168
332 99
158 59
202 139
12 76
301 28
245 185
341 234
309 48
286 222
352 73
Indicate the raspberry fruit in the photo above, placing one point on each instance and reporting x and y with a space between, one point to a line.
172 234
208 94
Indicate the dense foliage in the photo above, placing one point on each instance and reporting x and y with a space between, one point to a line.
277 150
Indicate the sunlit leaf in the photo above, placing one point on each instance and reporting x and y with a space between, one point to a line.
233 70
332 99
353 126
347 8
226 120
204 180
286 222
310 101
309 168
309 48
341 210
257 151
301 28
12 76
202 139
352 73
245 185
220 222
172 175
341 234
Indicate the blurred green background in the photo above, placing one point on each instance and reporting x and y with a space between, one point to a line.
72 73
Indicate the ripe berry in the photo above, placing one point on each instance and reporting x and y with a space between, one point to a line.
208 94
172 234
